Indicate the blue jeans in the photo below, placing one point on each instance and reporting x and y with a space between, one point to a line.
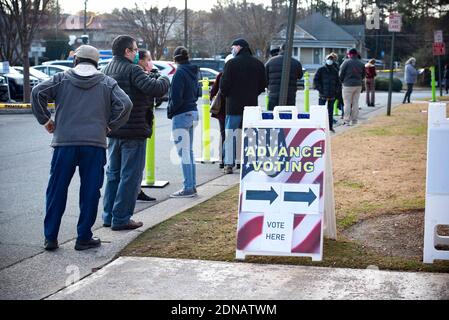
232 140
182 130
124 177
91 161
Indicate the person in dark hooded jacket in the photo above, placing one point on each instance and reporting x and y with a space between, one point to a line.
183 111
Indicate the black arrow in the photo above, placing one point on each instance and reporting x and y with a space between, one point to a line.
261 195
300 196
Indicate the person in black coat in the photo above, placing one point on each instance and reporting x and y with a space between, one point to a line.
126 146
242 82
327 82
273 70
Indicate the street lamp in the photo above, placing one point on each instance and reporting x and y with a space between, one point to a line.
286 63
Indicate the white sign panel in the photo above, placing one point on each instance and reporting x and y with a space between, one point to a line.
394 23
277 232
4 67
438 36
281 206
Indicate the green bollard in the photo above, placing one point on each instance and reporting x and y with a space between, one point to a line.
336 107
150 176
433 82
206 124
206 120
267 100
306 92
150 163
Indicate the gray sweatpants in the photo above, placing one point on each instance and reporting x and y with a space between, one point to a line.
351 96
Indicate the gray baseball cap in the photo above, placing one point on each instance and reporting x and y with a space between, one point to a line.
87 52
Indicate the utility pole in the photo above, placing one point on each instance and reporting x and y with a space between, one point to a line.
286 64
85 17
185 26
394 25
57 17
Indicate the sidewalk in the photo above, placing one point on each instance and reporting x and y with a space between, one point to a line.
48 272
176 279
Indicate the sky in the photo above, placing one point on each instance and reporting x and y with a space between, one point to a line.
100 6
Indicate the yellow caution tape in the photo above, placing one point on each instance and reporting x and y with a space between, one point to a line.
20 105
388 70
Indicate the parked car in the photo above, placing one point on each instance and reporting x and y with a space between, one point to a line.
3 90
211 74
15 80
66 63
166 68
103 63
215 64
50 70
35 73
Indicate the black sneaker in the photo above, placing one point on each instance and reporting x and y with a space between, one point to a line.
228 170
143 197
237 167
84 245
221 165
50 245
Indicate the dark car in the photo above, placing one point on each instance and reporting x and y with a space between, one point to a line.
3 90
15 80
215 64
300 82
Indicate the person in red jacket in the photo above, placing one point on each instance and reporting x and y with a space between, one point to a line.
370 81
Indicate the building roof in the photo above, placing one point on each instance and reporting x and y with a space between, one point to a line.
356 30
323 29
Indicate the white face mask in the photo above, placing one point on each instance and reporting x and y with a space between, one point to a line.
329 62
234 51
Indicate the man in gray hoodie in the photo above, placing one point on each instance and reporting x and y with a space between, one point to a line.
352 73
88 104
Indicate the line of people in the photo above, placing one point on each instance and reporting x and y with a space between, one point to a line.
113 110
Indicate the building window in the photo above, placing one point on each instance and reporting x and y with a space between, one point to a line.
317 56
295 51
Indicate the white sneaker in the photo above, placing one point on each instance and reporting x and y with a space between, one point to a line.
184 194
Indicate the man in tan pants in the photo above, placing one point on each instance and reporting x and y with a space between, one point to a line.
352 73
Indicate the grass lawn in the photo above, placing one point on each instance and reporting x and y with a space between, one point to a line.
379 175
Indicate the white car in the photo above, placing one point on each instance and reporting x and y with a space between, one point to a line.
209 73
50 70
65 63
35 73
166 68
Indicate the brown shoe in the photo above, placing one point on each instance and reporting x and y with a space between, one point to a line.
131 225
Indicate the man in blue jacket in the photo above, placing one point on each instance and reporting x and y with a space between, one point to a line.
88 105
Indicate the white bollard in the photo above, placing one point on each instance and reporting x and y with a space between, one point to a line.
437 183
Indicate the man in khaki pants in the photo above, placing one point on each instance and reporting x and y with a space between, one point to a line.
352 73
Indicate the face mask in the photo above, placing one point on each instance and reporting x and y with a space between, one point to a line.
329 62
234 51
136 58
